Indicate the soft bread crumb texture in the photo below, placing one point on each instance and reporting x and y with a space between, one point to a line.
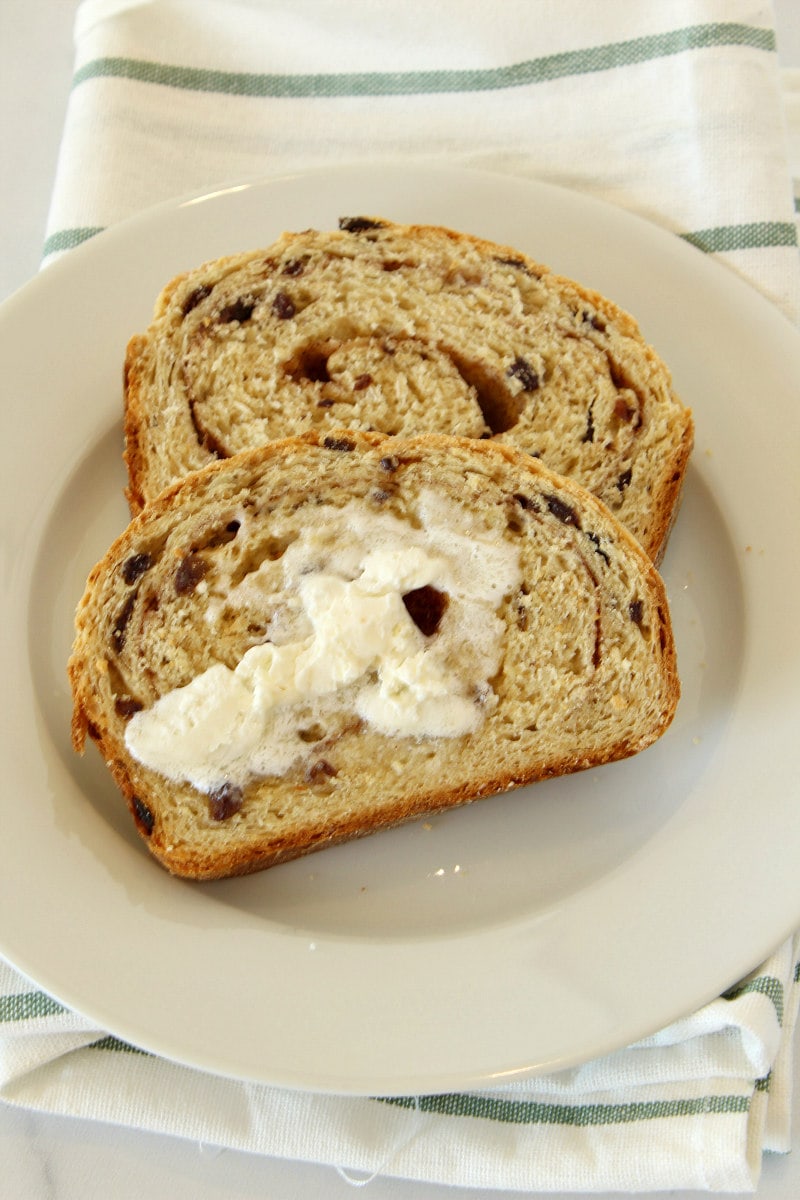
586 673
405 330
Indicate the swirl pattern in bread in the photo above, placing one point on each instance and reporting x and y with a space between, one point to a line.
405 330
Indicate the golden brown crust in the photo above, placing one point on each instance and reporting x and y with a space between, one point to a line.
132 423
673 491
163 813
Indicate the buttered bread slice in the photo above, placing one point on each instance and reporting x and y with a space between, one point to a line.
337 633
404 330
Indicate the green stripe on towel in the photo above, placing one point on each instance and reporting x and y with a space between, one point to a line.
752 235
525 1112
67 239
403 83
763 985
115 1044
28 1006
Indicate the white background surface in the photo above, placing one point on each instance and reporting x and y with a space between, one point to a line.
48 1158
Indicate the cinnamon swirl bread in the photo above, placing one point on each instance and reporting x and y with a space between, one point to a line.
335 633
405 329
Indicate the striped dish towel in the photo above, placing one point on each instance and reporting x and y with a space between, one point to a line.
693 1107
671 110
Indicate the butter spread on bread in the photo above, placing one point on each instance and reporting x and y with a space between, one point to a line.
511 589
367 615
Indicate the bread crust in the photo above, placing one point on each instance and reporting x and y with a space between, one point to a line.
171 817
514 353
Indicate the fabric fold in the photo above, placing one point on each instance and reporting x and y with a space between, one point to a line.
694 1106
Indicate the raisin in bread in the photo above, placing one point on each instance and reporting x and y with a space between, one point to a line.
405 329
332 634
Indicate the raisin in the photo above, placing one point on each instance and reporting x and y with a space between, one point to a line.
622 410
189 573
635 611
221 537
126 706
197 297
283 307
596 322
361 383
624 479
512 262
343 444
295 266
224 801
135 566
526 502
320 770
144 817
522 370
426 607
589 435
358 224
325 403
562 511
240 310
121 623
390 463
595 540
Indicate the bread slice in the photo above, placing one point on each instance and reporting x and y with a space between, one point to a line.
403 330
368 629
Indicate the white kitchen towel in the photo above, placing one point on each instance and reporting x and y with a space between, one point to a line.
670 110
692 1107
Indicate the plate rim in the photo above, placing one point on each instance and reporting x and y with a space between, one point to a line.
120 234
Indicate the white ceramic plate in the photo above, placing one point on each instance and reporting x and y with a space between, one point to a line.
526 933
